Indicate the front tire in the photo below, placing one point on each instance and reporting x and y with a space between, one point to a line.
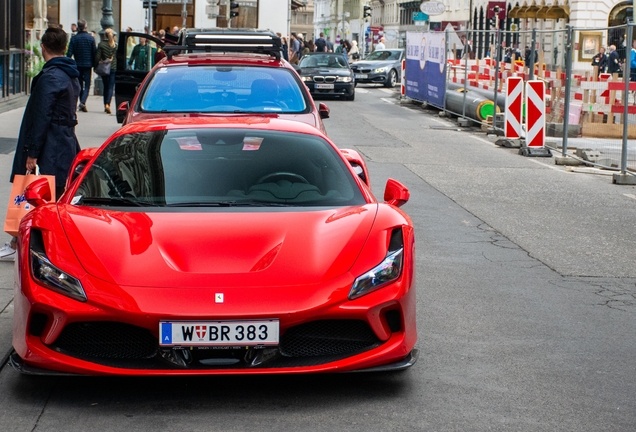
391 79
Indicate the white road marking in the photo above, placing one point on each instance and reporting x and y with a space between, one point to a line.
392 102
445 123
361 90
632 196
530 159
386 90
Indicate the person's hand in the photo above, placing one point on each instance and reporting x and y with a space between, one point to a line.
31 163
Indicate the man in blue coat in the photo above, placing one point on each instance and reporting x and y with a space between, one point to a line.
82 47
47 134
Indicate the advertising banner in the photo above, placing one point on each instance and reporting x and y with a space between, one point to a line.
426 67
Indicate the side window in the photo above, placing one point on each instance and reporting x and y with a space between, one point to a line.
140 53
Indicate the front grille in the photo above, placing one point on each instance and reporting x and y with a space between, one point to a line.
327 338
319 78
330 79
106 340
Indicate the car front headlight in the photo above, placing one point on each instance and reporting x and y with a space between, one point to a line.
380 70
387 271
55 279
343 79
307 78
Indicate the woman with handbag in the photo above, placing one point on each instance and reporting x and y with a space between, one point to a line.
106 64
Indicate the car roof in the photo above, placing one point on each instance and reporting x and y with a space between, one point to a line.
220 58
262 122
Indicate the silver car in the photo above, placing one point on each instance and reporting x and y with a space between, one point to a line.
381 67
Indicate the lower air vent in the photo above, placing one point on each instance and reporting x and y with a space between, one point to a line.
106 340
328 337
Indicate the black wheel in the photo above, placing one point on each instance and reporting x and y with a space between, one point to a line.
391 79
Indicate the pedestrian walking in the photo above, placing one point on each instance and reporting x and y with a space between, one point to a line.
140 57
82 48
354 52
613 61
381 44
321 43
600 60
107 51
47 133
294 49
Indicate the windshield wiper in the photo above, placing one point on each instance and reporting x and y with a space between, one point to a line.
122 202
228 204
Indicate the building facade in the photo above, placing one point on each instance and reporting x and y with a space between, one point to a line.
12 55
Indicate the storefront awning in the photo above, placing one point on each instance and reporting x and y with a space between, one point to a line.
297 4
542 11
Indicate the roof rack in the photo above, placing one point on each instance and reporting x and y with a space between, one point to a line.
226 40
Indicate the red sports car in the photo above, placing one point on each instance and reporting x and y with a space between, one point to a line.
215 246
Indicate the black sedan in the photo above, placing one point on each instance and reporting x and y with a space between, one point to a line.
327 74
381 67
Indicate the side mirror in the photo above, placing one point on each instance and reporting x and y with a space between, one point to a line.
38 193
357 163
396 193
323 109
122 109
79 163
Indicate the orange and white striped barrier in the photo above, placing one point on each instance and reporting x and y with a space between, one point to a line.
513 109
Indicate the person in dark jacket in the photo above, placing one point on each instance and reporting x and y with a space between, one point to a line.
613 62
47 133
82 49
107 49
600 60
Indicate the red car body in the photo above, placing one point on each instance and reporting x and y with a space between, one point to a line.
313 115
139 268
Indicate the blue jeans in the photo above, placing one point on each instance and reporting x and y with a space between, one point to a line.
85 82
109 86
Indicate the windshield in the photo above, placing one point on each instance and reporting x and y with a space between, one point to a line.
218 168
384 55
332 61
223 89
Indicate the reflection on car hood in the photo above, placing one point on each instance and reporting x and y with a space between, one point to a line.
374 64
324 71
217 248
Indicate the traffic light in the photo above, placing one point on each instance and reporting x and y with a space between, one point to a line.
493 22
150 4
234 9
146 4
153 4
367 11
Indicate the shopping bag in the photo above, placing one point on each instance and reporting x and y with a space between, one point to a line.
17 207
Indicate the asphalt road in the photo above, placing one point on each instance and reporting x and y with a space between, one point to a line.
526 304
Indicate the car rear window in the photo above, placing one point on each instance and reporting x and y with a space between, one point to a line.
223 89
213 167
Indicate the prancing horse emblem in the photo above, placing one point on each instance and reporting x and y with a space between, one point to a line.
218 298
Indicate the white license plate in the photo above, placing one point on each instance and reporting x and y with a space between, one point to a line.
218 333
324 86
362 76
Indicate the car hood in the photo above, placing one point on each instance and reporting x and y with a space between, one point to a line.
372 64
324 71
217 248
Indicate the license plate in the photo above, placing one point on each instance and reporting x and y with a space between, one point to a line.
324 86
362 76
218 333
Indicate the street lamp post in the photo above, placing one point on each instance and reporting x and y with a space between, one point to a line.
107 18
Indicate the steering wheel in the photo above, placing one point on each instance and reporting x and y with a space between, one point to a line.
282 175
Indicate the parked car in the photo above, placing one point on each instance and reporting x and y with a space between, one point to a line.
210 73
327 74
243 245
379 67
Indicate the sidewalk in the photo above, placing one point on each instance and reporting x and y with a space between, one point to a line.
92 130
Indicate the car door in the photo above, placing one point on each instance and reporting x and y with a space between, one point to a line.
130 74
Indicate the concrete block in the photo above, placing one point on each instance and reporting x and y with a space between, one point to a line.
567 161
556 130
624 179
463 122
591 155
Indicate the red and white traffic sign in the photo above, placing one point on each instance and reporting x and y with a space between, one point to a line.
513 111
403 79
535 113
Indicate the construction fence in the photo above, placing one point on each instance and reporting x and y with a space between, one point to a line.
590 102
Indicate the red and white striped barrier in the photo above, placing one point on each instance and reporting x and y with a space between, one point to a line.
535 113
513 110
403 79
